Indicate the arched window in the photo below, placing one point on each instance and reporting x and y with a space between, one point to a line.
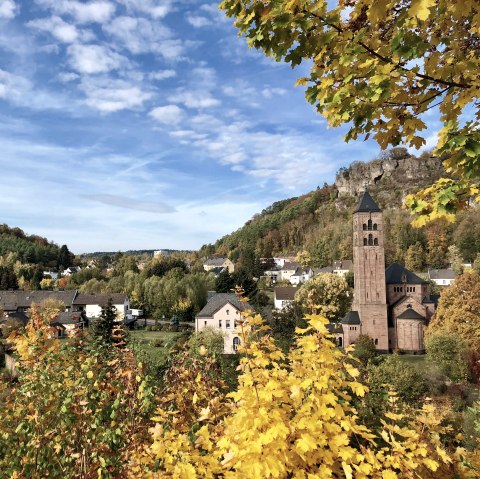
364 227
236 343
375 242
364 241
374 226
339 341
370 240
369 225
376 342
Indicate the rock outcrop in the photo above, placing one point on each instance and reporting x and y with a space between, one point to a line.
404 172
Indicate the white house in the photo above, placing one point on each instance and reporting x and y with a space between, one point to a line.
92 304
442 277
222 312
288 269
301 275
283 296
341 268
218 262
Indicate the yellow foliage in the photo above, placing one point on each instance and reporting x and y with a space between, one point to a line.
291 417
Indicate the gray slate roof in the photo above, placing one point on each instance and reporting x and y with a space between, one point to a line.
219 300
218 261
396 273
289 266
344 264
410 313
285 293
351 317
335 328
11 300
442 274
69 318
100 299
367 204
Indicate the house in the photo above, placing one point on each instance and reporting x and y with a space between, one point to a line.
280 261
343 267
283 296
442 277
71 270
222 312
273 274
92 304
288 269
219 262
301 275
72 322
161 252
50 274
21 301
392 306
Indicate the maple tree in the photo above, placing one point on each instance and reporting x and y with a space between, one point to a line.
379 67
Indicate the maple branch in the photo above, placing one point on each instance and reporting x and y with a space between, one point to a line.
388 60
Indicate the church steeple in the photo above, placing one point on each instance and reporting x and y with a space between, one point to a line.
367 204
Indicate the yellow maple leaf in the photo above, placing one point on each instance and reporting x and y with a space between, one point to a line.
420 9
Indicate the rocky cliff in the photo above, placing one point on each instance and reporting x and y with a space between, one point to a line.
396 172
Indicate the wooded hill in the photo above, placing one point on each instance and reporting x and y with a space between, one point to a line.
32 249
319 222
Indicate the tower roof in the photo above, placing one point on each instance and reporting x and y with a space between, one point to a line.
398 274
367 204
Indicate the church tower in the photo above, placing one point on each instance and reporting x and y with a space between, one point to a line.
369 309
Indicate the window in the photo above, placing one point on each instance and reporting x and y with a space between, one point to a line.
370 240
364 241
375 242
236 343
235 324
205 323
369 225
364 227
339 341
219 323
376 342
227 324
228 312
374 226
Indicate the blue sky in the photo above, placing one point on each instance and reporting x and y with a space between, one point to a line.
132 124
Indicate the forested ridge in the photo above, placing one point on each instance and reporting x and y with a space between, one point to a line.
319 222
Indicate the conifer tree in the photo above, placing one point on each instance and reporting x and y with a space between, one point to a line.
102 328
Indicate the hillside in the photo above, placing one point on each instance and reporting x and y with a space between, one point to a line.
319 222
32 249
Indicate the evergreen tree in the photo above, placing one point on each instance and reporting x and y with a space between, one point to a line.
8 279
224 282
103 326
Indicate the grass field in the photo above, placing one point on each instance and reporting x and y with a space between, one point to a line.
156 345
418 361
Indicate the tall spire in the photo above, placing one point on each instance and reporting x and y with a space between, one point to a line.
367 204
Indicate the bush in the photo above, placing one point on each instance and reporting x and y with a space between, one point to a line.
364 348
448 352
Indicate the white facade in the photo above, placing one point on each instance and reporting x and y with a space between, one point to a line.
225 321
95 310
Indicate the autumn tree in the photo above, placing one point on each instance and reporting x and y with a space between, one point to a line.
327 294
415 257
459 310
380 67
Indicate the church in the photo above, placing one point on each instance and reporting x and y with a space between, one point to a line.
393 305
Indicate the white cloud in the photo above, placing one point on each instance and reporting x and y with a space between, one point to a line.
271 92
169 114
132 204
8 9
154 8
138 35
66 77
91 59
198 21
194 98
108 95
162 74
98 11
61 30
